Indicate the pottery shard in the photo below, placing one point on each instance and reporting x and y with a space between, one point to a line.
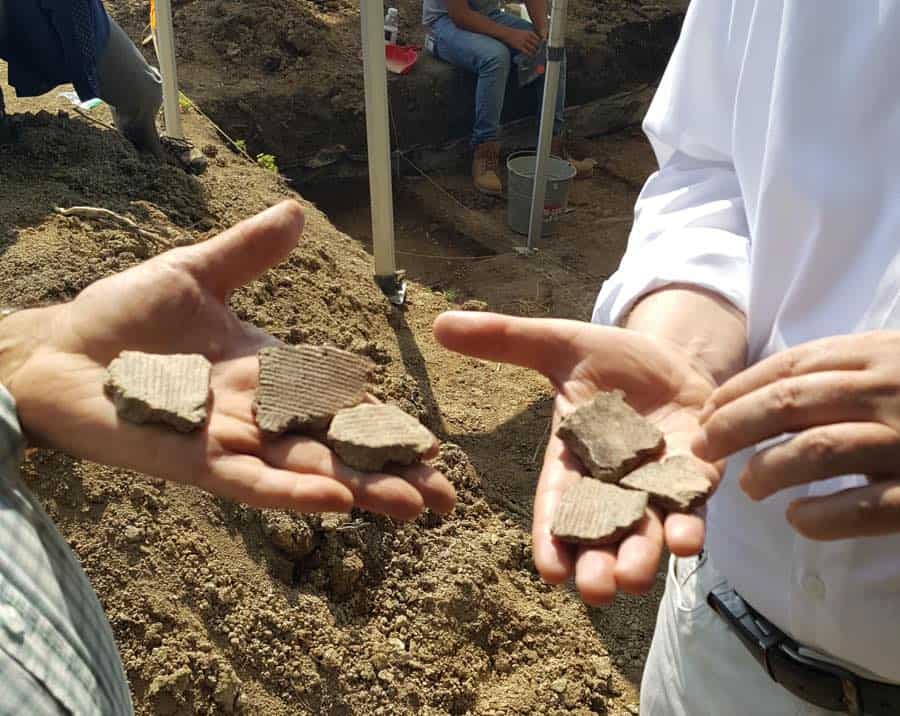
368 437
595 513
151 388
676 484
609 437
302 387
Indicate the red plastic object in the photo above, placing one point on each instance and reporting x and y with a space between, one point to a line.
400 59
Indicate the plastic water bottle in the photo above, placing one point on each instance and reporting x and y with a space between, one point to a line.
391 26
530 68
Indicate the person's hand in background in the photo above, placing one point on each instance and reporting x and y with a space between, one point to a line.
523 41
53 361
580 359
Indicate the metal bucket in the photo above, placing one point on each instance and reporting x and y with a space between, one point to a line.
520 186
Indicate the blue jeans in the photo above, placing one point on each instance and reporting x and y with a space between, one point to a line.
491 61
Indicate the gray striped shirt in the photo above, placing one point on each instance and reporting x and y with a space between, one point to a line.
57 653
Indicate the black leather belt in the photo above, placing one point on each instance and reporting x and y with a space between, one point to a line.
815 681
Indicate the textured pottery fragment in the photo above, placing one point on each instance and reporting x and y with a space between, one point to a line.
153 388
368 437
302 387
595 513
676 484
609 437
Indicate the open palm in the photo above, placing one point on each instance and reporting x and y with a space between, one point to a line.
580 360
177 303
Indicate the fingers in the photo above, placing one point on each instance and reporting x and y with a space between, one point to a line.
829 354
532 43
247 479
386 494
553 558
639 556
595 576
246 250
820 453
787 405
859 512
436 490
537 343
631 566
684 534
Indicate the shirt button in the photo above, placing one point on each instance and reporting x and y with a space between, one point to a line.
813 586
12 621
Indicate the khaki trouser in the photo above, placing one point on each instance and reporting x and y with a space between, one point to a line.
697 666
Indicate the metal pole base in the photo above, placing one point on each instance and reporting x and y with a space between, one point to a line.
393 286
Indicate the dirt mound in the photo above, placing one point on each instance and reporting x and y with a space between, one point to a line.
222 609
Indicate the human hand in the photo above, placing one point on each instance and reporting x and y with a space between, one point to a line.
524 41
53 361
841 396
580 360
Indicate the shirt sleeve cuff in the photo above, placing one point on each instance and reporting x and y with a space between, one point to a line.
12 445
723 273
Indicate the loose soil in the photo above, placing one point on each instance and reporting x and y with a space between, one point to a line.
219 608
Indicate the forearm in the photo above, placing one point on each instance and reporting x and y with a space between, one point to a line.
537 11
21 335
467 19
709 328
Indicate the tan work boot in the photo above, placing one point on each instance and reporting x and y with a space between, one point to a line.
584 168
484 169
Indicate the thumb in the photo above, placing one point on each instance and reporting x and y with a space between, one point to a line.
244 251
542 344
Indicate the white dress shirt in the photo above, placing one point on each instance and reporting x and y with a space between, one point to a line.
777 132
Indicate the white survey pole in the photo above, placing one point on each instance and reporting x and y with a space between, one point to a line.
379 144
164 43
556 51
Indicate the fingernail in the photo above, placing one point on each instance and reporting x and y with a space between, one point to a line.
699 445
746 485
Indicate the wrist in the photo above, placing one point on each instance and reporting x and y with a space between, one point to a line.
703 325
22 333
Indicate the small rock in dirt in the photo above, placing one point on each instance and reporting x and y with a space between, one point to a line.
610 437
368 437
150 388
560 685
210 150
595 512
676 484
134 534
302 387
474 305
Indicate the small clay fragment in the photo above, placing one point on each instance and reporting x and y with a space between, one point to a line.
151 388
595 513
676 484
368 437
609 437
302 387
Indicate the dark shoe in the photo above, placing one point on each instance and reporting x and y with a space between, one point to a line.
182 151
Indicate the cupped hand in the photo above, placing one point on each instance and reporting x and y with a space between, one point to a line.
53 360
580 359
841 398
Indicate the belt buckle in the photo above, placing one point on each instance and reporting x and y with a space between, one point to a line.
851 701
851 695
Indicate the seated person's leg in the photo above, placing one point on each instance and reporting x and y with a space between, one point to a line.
489 60
583 167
